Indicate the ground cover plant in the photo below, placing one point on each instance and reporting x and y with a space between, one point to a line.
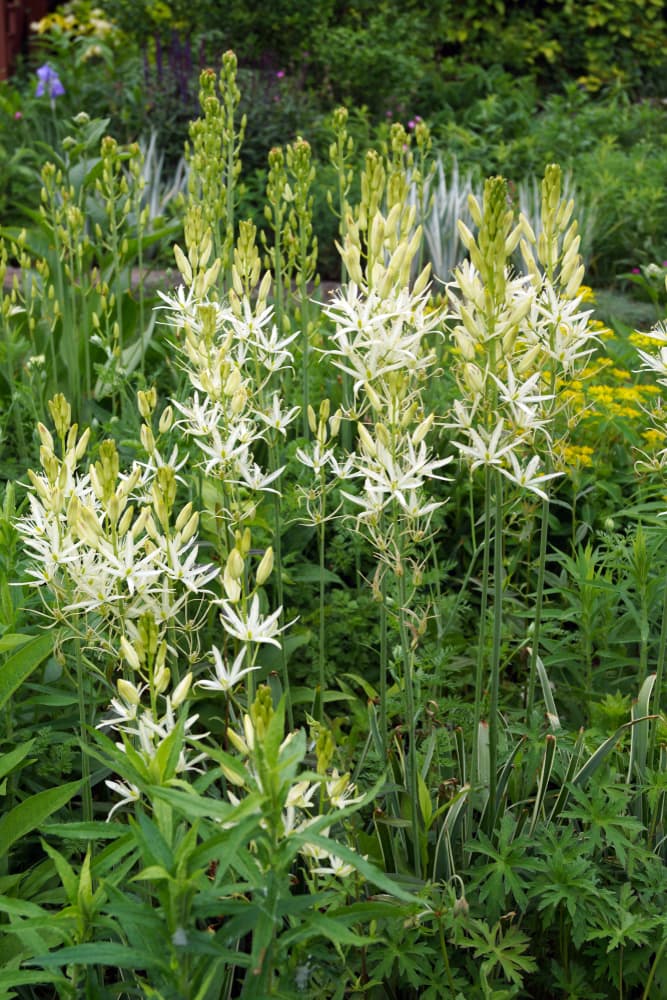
333 663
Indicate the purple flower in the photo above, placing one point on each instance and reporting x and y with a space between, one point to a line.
280 74
636 270
49 84
18 115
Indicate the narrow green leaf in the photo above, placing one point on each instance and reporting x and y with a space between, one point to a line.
84 831
543 783
18 667
639 737
100 953
32 812
10 760
25 977
552 713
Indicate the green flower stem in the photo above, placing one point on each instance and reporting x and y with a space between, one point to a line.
495 648
481 647
659 678
280 591
81 690
537 620
410 713
321 534
384 666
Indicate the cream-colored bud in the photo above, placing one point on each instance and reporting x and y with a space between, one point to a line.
509 339
422 280
130 654
88 527
265 567
237 284
161 679
160 655
232 588
383 436
140 522
352 260
209 278
126 521
464 343
190 528
376 236
128 691
422 429
475 210
527 228
564 214
528 360
61 414
96 483
334 423
473 378
366 440
181 691
233 382
183 516
183 264
512 241
80 449
264 288
239 400
312 419
147 439
245 542
373 397
113 509
235 564
574 283
166 420
45 436
569 264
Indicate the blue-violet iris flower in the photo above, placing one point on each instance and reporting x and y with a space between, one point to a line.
49 84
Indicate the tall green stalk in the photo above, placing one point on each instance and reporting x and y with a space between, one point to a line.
494 686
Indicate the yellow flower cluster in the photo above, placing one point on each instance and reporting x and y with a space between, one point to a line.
73 20
571 457
604 395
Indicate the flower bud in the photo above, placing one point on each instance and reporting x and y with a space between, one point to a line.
181 691
166 420
161 679
128 691
232 587
367 442
130 654
235 565
183 264
45 436
265 567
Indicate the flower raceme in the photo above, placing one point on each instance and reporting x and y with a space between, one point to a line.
109 542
